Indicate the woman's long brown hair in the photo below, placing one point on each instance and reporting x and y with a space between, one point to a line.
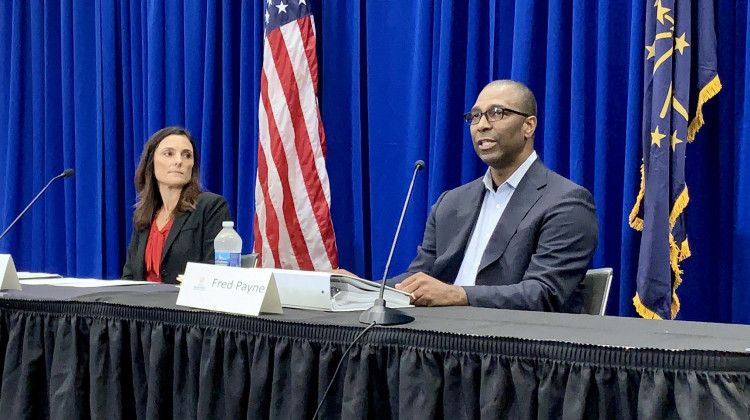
149 198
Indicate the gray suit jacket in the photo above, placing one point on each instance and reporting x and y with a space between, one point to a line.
538 253
191 238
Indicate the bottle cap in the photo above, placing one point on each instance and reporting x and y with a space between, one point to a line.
229 224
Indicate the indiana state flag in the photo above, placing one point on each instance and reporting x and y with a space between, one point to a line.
680 75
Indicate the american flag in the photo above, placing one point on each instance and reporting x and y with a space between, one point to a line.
293 226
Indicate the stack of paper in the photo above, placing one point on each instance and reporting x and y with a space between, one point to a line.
355 294
331 292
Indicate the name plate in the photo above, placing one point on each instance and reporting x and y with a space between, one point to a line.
8 274
229 289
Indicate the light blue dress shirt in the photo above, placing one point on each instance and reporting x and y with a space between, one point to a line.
493 207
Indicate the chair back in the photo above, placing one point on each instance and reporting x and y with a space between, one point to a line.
248 260
596 290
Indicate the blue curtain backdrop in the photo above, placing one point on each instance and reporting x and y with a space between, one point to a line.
84 83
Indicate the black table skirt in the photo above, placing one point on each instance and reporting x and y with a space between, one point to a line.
131 353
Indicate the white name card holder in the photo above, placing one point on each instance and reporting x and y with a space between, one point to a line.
235 290
8 273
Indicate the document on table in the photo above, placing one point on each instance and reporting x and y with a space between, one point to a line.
25 275
332 292
74 282
356 294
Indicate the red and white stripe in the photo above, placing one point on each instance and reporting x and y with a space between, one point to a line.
293 226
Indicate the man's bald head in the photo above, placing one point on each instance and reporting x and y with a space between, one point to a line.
526 98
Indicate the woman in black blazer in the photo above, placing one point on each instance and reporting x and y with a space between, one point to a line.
173 222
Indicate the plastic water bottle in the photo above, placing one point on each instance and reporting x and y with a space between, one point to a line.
227 246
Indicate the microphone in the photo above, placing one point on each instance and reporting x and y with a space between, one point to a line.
65 174
380 313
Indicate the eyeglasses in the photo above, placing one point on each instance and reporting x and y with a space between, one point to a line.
494 113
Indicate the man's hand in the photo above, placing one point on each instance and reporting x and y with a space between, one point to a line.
429 291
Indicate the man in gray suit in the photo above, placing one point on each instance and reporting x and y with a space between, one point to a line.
521 237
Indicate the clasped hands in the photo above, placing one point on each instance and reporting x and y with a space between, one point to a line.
427 290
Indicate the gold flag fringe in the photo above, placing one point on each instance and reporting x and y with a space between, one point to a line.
643 311
685 250
674 262
709 91
635 221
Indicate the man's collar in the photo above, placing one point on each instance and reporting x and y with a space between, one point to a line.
515 178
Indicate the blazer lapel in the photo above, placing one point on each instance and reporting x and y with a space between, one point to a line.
139 269
467 213
523 199
173 232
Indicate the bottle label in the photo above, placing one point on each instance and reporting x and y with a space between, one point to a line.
231 259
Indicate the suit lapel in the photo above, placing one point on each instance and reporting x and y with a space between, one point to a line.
467 214
140 268
529 191
173 232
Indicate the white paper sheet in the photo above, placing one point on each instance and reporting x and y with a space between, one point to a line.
74 282
25 275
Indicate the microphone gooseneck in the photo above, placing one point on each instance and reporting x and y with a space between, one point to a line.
418 166
65 174
379 313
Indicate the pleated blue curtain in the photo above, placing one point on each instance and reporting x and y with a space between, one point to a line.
720 178
84 83
48 123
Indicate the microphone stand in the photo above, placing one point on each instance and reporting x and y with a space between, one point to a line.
66 174
379 313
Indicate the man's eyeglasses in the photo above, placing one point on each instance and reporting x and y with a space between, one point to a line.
494 113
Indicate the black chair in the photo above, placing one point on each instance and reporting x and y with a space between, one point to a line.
596 290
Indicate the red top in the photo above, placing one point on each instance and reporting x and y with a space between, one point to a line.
154 249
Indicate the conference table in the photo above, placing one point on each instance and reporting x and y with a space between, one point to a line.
130 352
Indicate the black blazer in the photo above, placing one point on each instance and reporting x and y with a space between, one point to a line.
191 238
537 255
